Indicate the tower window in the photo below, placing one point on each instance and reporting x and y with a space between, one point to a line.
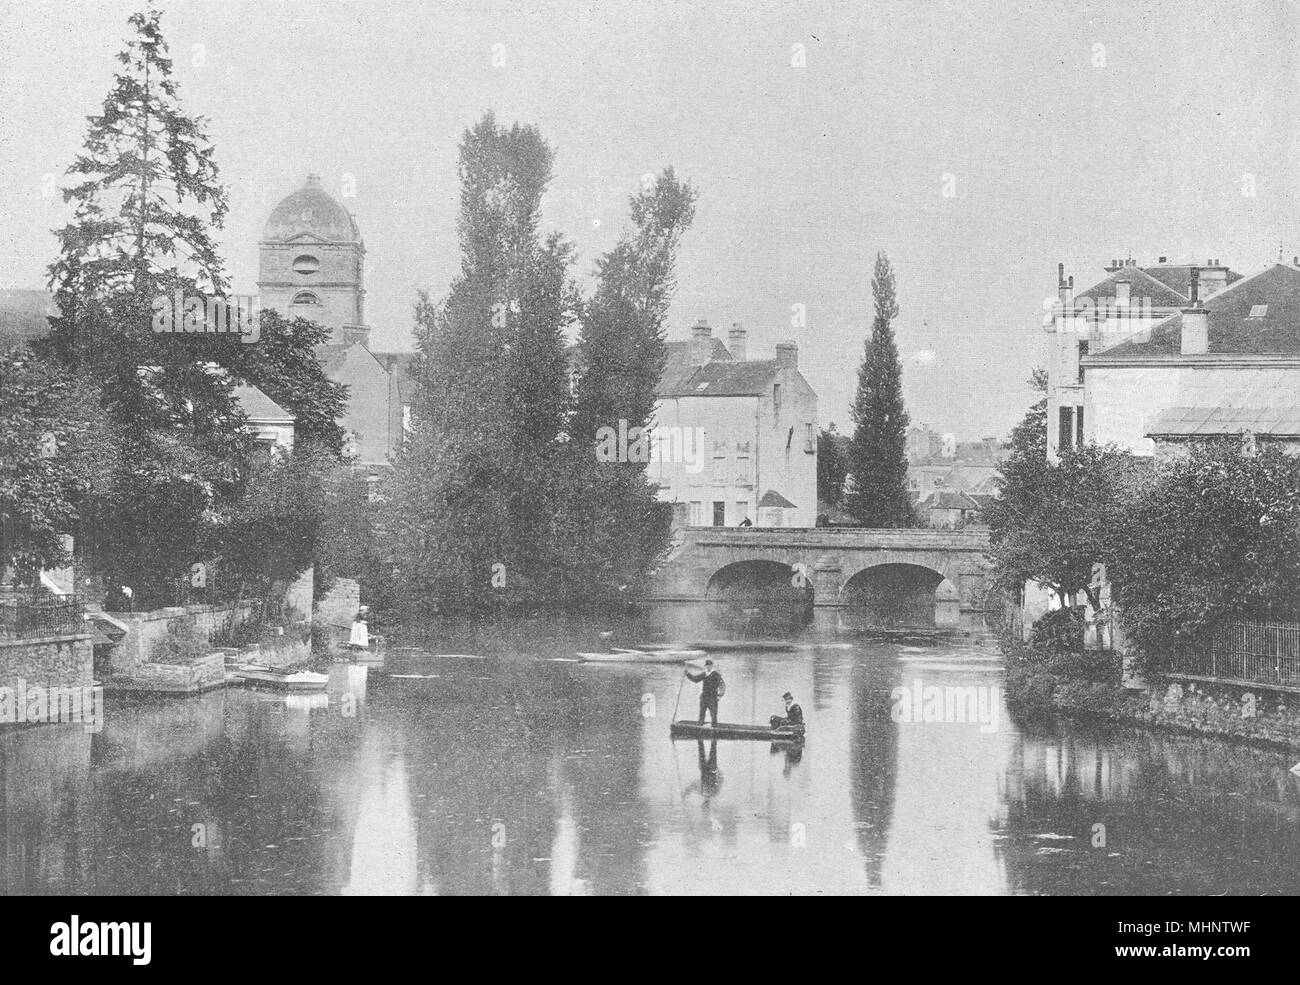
305 297
305 264
1065 428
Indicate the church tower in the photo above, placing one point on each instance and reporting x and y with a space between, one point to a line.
312 263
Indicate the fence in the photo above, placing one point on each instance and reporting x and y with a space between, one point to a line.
1255 652
30 619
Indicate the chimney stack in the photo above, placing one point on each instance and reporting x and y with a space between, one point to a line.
787 356
1195 339
701 342
736 342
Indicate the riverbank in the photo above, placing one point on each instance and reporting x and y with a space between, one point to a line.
1073 687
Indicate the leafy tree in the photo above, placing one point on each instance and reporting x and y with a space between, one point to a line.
492 388
878 455
145 203
40 423
283 365
1216 537
622 340
832 465
615 527
1054 523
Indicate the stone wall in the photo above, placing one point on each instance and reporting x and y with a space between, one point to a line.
1242 712
65 661
338 608
148 629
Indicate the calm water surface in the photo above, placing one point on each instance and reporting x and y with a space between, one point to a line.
513 771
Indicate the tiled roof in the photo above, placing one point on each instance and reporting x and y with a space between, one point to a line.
259 407
774 498
1259 315
679 367
949 499
1144 285
1187 422
1178 276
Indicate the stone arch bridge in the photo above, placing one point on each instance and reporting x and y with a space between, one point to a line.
948 569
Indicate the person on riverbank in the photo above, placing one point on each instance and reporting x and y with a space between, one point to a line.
793 716
713 688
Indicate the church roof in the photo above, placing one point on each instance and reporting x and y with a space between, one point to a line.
311 211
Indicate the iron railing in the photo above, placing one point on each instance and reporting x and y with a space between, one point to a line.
29 619
1251 651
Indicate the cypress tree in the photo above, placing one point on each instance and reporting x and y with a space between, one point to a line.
878 454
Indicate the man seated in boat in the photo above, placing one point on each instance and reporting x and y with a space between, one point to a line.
793 717
710 692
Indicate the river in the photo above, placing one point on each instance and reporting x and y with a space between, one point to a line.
510 769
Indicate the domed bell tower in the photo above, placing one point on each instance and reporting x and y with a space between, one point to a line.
312 263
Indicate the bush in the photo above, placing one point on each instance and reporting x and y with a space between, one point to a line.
183 644
1058 632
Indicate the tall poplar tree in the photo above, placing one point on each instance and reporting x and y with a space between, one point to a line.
878 455
618 524
474 495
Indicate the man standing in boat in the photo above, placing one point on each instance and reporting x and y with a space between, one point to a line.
793 714
711 691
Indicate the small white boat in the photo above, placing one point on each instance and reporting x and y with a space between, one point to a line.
297 681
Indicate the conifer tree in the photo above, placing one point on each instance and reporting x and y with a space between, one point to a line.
878 455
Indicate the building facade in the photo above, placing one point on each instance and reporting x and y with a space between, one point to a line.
735 439
1129 302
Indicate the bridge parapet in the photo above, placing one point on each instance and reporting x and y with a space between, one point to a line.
830 557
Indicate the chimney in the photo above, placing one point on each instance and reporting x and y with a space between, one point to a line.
701 342
736 342
787 356
1195 340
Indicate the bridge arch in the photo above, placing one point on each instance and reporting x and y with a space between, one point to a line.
902 595
763 587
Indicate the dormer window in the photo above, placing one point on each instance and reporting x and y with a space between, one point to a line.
1122 292
1258 311
305 297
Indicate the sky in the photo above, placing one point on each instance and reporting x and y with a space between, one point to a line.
976 144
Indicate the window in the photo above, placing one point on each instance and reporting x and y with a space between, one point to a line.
697 513
306 264
1065 428
809 440
719 514
305 297
776 397
1258 311
742 512
1078 427
1122 292
1083 351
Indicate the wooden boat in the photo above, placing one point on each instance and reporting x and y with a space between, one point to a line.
685 729
642 656
744 646
297 681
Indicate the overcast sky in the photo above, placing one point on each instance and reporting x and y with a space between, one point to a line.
1072 132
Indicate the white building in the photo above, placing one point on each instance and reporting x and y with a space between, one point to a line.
1227 365
735 438
1130 301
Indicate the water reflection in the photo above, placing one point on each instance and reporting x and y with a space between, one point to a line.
505 770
